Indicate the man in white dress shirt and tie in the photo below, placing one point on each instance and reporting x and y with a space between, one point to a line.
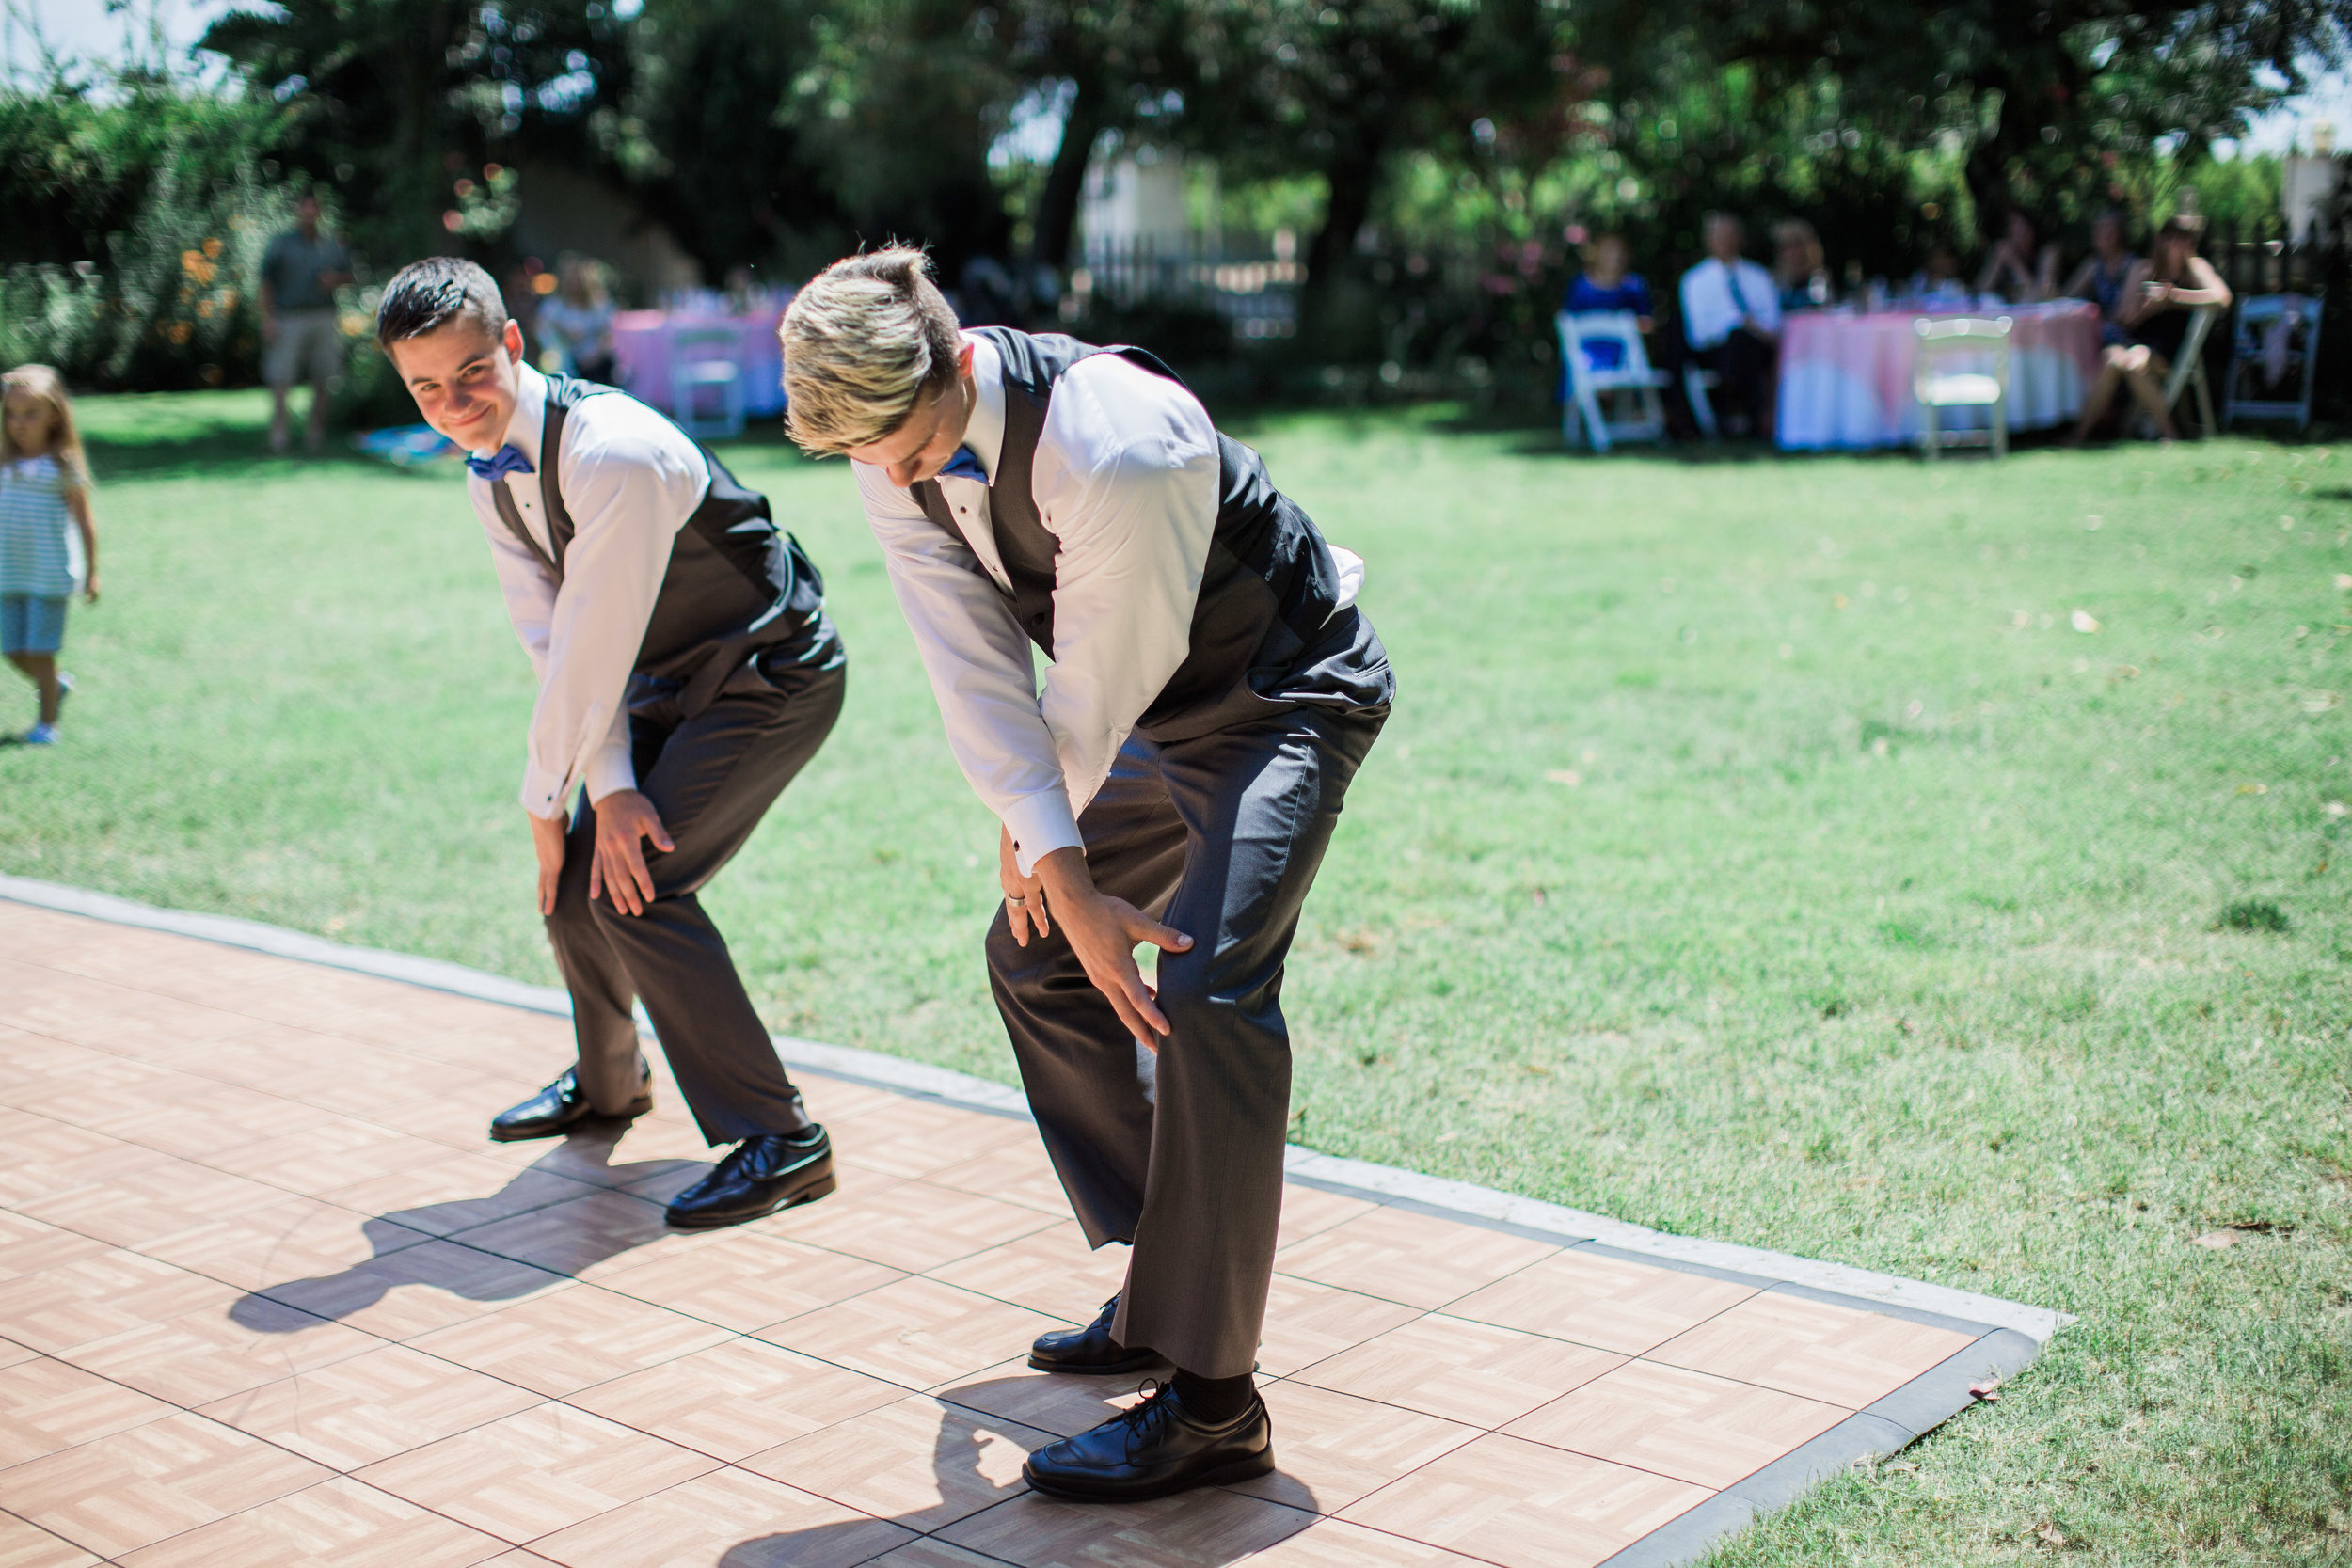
1212 691
687 671
1731 319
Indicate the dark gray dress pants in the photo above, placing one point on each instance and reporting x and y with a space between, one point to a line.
1220 837
711 778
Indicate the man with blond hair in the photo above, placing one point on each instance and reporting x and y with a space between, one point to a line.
1213 688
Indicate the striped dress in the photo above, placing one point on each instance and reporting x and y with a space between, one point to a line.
41 549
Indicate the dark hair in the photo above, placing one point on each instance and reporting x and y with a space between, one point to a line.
2188 226
426 296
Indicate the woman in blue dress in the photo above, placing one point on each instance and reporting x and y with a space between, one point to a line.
1606 285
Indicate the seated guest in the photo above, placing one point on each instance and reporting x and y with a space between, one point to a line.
2161 295
1800 266
2103 275
1731 319
2019 267
1606 285
1938 282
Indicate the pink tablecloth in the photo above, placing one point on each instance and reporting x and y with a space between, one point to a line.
641 348
1845 380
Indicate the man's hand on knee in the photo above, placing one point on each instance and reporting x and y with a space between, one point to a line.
1104 933
1025 897
546 838
625 820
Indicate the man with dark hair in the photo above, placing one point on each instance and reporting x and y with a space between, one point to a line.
687 671
1212 692
301 340
1731 320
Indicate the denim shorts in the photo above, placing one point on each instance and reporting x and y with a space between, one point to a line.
31 623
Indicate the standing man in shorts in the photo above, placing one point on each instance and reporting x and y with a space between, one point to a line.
300 341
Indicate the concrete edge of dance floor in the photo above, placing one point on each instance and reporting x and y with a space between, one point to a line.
2005 1336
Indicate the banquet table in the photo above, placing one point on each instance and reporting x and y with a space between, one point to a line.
1845 378
642 341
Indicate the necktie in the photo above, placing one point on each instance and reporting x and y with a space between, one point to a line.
505 461
964 464
1738 300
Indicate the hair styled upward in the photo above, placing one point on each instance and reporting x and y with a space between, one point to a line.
65 445
861 342
424 296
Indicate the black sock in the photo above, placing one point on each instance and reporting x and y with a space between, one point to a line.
1214 1400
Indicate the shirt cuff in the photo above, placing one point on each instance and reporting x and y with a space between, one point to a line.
543 792
609 770
1040 824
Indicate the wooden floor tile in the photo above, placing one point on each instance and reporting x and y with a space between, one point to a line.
1610 1301
215 1351
1522 1505
1415 1259
1306 1323
1337 1543
911 1225
172 1474
1831 1354
47 1405
727 1518
336 1524
1705 1430
93 1296
43 1158
334 1152
1050 1270
916 1462
568 1340
1451 1368
370 1407
1332 1448
457 1193
29 1246
601 1231
419 1288
294 1238
542 1470
1198 1529
748 1278
917 1333
216 1116
1050 1401
737 1399
24 1546
1016 1172
916 1137
1310 1212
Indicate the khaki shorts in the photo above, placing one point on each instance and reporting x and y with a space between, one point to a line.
308 347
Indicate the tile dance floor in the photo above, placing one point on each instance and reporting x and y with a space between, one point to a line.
267 1296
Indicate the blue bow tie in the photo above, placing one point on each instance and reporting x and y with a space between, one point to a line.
964 464
505 461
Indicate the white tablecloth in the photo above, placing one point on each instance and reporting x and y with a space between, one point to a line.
1845 379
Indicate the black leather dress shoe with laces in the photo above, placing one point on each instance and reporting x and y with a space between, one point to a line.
1092 1351
559 1108
1153 1451
759 1176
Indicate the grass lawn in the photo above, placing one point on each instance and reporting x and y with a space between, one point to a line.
1930 869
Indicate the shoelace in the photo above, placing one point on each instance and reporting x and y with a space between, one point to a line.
1158 1400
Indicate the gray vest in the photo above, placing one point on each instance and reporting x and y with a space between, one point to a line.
737 588
1267 631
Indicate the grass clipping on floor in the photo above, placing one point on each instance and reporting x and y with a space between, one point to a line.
1930 869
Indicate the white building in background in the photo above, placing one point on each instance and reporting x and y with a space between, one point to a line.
2310 181
1135 199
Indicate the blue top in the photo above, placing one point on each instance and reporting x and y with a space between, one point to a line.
1586 297
41 549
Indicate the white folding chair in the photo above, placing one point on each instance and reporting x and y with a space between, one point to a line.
1975 340
1630 379
702 370
2189 368
2275 332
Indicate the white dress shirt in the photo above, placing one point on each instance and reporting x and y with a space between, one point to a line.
1126 479
1709 309
629 478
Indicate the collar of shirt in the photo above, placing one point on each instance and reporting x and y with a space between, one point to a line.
523 427
985 434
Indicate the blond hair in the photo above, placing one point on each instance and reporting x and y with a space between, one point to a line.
41 382
860 344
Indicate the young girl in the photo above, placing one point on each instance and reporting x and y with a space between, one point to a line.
48 543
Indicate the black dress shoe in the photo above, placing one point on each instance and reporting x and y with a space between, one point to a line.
558 1107
1091 1350
1153 1450
759 1176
